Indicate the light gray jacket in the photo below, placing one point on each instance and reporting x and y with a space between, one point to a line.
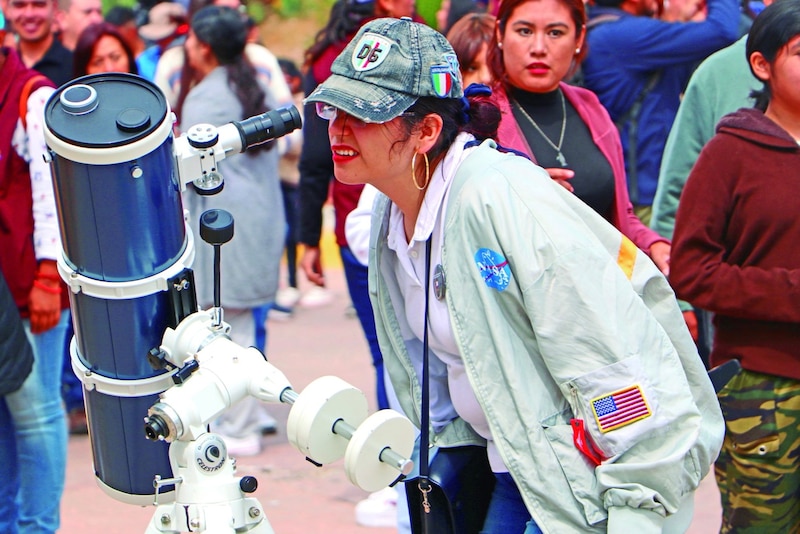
553 310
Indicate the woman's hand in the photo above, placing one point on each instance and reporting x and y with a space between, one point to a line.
659 253
44 300
312 266
561 176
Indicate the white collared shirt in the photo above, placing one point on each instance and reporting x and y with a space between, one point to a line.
450 387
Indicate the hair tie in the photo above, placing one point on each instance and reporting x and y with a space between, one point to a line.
478 89
474 89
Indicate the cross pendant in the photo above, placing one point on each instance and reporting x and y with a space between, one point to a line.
561 160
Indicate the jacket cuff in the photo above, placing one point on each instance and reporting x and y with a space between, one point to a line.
624 520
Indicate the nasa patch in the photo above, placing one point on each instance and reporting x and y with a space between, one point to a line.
493 268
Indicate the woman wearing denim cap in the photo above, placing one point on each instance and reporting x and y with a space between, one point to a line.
553 340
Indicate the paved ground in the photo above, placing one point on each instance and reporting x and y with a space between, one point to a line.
297 497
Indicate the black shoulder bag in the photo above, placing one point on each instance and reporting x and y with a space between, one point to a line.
452 492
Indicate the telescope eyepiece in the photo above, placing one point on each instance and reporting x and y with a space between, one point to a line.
268 126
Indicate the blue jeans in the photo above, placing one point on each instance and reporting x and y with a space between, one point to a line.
33 440
71 386
358 286
507 511
260 318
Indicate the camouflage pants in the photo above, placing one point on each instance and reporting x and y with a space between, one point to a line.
758 470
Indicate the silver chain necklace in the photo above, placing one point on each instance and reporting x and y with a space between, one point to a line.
559 156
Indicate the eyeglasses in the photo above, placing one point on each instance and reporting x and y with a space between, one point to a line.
328 113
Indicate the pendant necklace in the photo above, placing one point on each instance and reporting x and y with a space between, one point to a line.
559 156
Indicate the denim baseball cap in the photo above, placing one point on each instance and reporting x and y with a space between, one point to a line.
387 66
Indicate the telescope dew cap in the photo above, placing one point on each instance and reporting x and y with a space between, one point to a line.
387 67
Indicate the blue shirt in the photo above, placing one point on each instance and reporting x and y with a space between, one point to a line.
624 53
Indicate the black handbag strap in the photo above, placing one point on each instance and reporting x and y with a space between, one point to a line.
425 416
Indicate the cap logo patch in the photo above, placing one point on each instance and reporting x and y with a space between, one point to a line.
493 268
452 60
442 80
370 51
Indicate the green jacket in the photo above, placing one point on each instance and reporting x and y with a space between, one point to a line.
547 322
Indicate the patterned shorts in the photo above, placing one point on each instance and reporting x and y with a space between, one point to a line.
758 470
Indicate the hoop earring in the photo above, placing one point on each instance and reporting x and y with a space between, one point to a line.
414 171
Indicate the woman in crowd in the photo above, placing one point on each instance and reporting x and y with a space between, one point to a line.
101 48
735 254
536 331
470 37
176 78
563 128
228 89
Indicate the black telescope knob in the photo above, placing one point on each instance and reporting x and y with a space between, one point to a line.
248 484
216 226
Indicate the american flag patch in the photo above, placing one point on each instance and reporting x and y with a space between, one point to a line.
620 408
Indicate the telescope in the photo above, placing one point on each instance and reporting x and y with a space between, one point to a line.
156 369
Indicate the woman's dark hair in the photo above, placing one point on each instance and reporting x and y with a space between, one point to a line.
495 56
481 119
459 9
87 40
188 75
345 18
772 30
224 30
469 34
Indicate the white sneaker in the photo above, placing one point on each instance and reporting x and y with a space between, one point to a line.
287 297
246 446
378 510
279 313
316 296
